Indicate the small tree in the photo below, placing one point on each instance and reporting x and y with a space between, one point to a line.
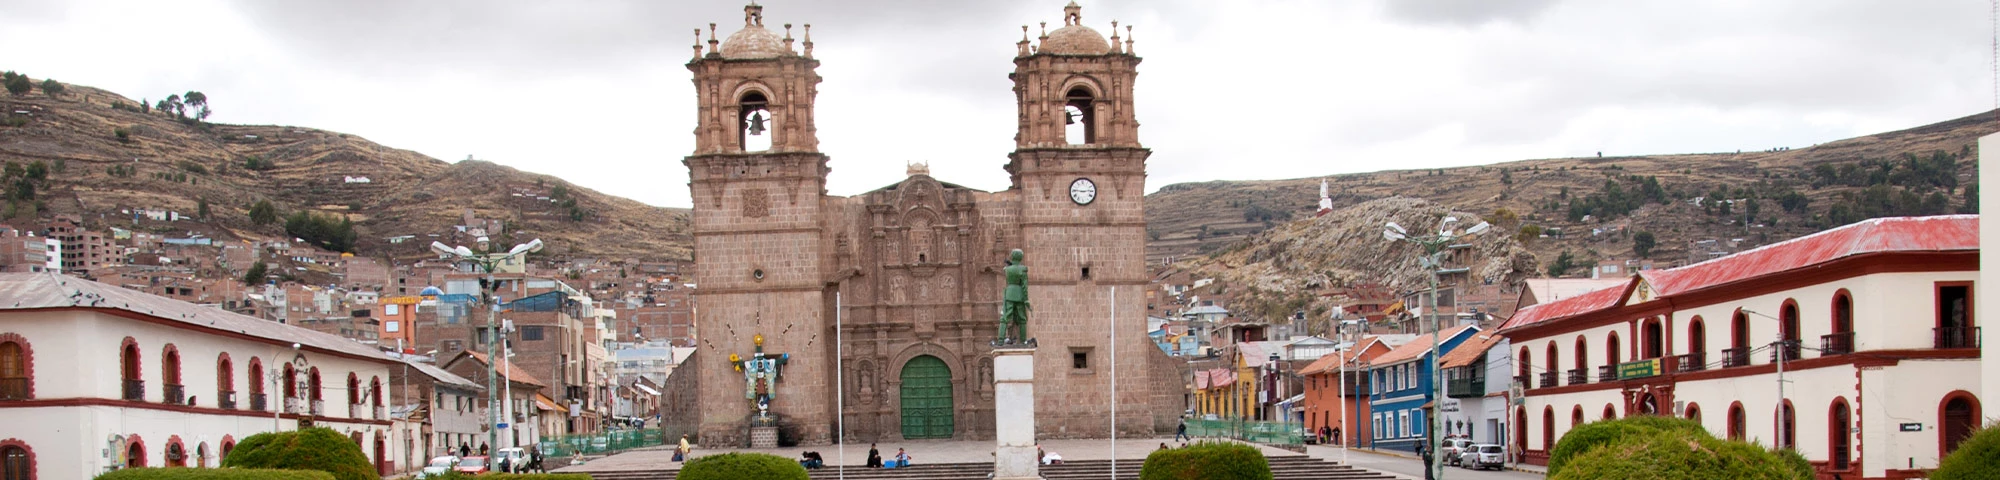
1642 244
263 213
307 449
1562 264
1528 234
19 85
199 102
1977 458
256 274
52 87
201 209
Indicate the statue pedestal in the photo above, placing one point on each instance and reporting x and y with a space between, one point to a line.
1014 414
763 431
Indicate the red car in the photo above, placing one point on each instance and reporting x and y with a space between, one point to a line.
472 466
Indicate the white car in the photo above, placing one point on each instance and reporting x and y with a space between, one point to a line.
438 466
1453 446
1483 456
514 458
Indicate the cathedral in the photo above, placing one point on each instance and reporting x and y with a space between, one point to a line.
883 306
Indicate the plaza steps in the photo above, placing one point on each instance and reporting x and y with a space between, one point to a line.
1294 467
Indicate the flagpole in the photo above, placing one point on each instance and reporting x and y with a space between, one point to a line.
1114 381
840 393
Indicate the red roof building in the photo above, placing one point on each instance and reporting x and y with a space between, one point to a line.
1875 315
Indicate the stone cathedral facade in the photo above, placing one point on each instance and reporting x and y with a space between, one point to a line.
913 270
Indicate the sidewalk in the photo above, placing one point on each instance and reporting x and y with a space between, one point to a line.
1329 452
922 451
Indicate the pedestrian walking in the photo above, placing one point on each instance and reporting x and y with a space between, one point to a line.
1180 433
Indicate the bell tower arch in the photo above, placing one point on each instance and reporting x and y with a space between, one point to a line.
758 183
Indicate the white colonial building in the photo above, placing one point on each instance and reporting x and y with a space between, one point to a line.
1872 322
94 377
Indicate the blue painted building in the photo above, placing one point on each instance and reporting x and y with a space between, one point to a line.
1400 389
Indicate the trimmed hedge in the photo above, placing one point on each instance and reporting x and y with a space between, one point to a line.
1590 435
213 474
741 466
1676 454
1978 458
310 449
453 475
1207 461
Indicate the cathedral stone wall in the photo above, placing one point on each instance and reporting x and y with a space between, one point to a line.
888 301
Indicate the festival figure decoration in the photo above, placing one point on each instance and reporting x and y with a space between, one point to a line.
760 375
1014 304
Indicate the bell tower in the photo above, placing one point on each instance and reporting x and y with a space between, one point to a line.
1079 175
758 183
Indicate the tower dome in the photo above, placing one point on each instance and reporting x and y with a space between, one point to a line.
753 41
1074 38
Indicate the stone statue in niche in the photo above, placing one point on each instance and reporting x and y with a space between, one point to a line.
865 381
985 373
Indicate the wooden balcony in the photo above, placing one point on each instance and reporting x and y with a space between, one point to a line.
135 390
1578 376
1607 373
1836 344
1736 357
259 402
225 399
174 394
1956 337
1548 380
1693 362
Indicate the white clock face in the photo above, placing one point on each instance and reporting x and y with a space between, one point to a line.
1082 191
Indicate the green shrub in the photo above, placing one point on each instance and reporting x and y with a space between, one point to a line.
309 449
742 466
1205 461
1590 435
213 474
1978 458
1683 455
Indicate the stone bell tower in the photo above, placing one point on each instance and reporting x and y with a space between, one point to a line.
759 187
1079 174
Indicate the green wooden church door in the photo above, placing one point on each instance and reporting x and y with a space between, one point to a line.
927 406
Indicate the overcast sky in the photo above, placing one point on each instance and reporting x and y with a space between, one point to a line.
597 92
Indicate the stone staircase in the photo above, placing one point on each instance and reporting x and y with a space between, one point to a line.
1293 467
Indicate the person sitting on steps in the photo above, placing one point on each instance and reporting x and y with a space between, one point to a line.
874 457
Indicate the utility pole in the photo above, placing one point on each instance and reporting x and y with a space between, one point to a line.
488 261
1433 259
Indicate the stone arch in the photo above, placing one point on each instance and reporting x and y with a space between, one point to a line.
951 359
891 376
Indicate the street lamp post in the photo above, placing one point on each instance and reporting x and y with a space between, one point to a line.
1433 259
488 261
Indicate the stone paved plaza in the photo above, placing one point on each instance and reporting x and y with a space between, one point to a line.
921 452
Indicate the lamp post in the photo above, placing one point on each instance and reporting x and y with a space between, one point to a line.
1778 420
488 261
1433 259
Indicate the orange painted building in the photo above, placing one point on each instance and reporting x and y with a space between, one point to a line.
1323 402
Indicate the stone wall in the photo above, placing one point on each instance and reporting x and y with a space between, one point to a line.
680 406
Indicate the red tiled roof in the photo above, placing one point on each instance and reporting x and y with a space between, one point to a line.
1473 349
1332 361
1542 312
507 369
1416 348
1898 234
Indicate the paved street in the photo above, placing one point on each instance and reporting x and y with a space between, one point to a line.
1410 466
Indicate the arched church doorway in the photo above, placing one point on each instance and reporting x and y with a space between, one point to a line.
927 405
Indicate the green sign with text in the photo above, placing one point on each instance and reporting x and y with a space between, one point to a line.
1639 369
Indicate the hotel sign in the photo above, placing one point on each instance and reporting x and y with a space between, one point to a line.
1639 369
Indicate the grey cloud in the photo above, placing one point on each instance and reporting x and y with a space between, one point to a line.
1467 12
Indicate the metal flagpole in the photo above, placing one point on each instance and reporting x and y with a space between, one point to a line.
1114 382
839 394
1342 395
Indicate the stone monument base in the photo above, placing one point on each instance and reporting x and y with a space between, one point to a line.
1014 458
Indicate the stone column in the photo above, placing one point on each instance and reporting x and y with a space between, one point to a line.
1014 414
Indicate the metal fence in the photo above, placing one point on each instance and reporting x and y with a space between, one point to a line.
1276 433
611 441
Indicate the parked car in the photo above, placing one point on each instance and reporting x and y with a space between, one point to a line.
509 460
438 466
1483 456
472 465
1453 446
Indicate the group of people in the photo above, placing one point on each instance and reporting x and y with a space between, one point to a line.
875 458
